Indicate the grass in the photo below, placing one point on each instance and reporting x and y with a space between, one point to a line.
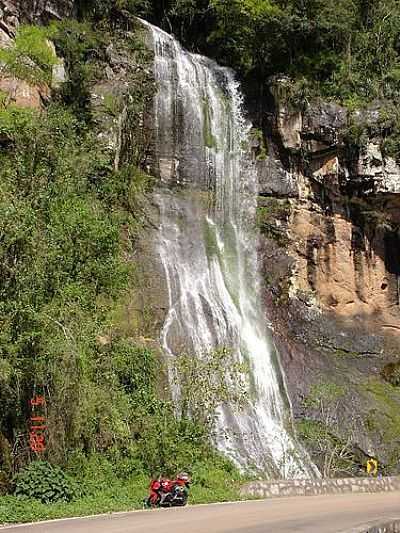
387 412
214 485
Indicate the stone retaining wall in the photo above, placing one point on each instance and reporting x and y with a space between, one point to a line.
307 487
389 527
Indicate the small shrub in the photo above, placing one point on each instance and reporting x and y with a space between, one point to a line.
81 46
31 57
391 374
44 482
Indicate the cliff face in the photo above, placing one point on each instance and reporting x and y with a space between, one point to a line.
15 12
329 217
12 14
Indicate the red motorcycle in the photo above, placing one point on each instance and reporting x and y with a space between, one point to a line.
168 493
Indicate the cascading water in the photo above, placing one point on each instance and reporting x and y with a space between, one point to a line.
208 248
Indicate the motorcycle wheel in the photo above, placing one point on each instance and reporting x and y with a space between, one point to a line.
148 504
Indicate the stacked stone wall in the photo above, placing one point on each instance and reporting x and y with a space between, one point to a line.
306 487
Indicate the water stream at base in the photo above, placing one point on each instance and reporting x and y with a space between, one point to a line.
208 248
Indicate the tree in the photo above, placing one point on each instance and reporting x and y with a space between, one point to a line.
333 455
246 31
204 383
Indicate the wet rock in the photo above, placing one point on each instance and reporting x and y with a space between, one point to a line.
322 124
273 179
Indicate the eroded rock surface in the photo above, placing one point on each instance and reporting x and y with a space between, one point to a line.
15 12
330 216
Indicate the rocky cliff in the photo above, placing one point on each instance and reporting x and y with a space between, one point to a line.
12 14
15 12
329 217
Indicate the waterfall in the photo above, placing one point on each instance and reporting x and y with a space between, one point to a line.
208 249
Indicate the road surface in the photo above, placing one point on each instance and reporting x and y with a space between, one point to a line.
309 514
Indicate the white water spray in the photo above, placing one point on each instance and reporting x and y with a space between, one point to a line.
208 248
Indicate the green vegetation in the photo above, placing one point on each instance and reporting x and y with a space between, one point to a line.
321 432
30 57
71 212
272 218
113 11
391 373
345 49
385 418
44 482
107 486
261 151
206 383
333 455
324 396
82 48
380 123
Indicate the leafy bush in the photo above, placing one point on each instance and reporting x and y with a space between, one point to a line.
206 383
81 46
110 10
30 57
44 482
333 456
345 48
105 490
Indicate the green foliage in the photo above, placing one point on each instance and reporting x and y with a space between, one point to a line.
14 119
333 456
111 10
105 491
272 216
371 217
321 434
356 137
82 48
324 394
240 26
261 151
331 45
384 419
389 129
206 383
343 49
62 210
44 482
30 57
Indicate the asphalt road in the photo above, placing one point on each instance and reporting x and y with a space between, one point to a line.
310 514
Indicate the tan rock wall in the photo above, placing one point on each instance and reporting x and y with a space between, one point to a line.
343 279
22 94
305 487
